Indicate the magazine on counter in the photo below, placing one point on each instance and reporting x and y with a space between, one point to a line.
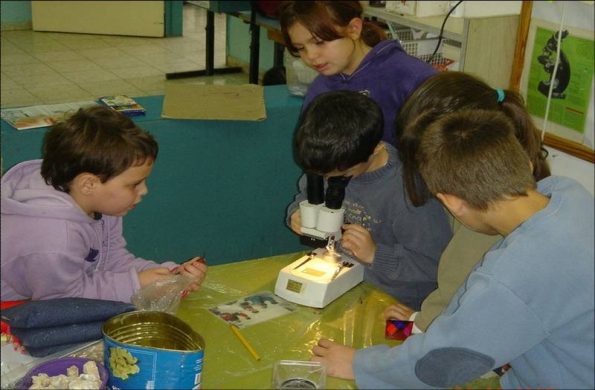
123 104
40 116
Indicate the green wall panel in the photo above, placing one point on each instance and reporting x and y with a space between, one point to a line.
219 188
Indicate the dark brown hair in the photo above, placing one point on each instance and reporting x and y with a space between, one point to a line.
450 92
337 131
95 140
323 18
474 155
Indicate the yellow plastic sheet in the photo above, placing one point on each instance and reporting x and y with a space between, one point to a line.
354 319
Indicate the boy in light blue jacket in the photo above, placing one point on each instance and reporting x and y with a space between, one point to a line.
529 302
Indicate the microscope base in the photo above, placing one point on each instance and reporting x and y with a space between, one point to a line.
318 281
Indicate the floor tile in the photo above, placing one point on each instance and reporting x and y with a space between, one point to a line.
103 53
18 59
185 48
61 94
181 65
114 87
20 37
116 41
90 76
166 56
48 81
143 71
26 70
150 83
17 98
40 47
8 83
86 44
55 56
143 50
155 92
56 67
122 61
74 66
6 48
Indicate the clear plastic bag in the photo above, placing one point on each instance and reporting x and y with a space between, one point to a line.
162 295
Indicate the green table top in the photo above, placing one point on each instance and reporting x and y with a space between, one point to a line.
354 319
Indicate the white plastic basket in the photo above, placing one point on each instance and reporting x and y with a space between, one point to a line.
298 75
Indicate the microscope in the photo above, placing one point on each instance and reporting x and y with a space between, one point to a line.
562 74
324 274
322 216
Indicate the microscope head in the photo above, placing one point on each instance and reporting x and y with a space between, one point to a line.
321 221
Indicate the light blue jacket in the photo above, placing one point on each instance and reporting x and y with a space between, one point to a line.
530 303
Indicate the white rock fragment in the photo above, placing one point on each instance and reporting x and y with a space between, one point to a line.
89 380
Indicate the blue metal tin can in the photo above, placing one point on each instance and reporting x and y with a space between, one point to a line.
152 350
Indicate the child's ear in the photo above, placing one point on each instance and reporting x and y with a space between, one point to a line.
86 183
378 148
453 203
354 28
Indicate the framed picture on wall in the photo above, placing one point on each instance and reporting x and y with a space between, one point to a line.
570 112
570 116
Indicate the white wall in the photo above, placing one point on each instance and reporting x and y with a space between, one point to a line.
563 164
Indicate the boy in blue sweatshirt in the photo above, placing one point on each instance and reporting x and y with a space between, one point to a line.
529 302
339 135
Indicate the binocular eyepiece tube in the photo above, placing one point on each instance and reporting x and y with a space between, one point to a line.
325 218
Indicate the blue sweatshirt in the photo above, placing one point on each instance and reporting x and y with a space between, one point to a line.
529 303
387 74
409 239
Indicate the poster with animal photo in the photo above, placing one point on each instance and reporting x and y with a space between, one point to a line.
253 309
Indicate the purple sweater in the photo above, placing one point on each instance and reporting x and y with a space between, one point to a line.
387 74
52 249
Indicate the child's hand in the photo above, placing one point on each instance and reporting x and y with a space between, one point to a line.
296 222
148 276
359 241
398 312
337 357
195 268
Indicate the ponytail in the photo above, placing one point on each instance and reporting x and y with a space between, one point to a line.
513 106
372 34
449 92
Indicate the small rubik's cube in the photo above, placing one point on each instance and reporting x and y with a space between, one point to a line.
398 330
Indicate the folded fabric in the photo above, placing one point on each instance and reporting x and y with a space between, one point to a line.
45 351
58 335
62 311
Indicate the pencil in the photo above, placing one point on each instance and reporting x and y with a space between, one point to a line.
245 342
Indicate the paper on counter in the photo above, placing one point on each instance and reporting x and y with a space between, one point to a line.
214 102
253 309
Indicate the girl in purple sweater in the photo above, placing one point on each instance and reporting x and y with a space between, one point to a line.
350 54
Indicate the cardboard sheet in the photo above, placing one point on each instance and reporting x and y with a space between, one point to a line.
214 102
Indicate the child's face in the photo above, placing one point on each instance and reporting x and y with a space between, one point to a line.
122 193
326 57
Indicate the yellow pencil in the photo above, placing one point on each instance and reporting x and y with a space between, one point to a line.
245 342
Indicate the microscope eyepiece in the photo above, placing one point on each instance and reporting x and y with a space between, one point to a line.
335 192
315 189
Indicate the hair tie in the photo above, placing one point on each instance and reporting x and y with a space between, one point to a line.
500 93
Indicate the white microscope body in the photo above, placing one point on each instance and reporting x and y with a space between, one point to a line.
322 276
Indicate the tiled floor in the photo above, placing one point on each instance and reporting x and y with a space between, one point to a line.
48 67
